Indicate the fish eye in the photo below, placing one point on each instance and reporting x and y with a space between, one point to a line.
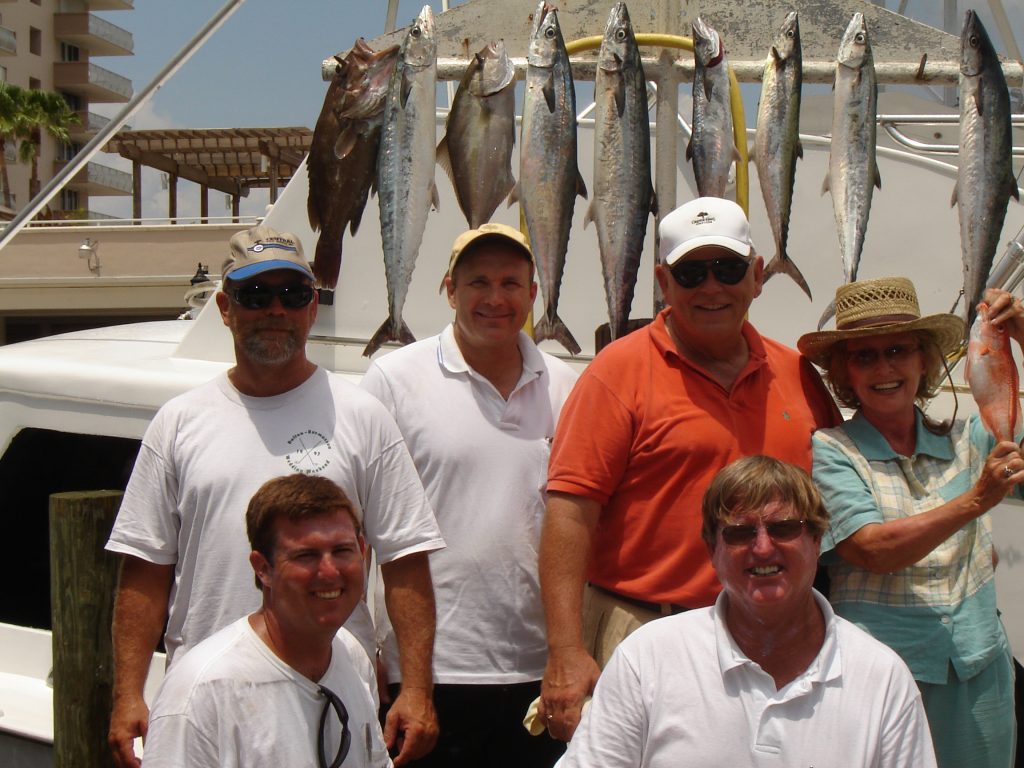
790 34
549 33
859 38
416 32
973 41
620 35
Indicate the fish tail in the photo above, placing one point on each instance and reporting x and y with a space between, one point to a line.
327 261
552 327
389 331
828 314
785 265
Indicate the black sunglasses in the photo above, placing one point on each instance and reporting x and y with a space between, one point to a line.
333 700
728 270
777 530
257 296
896 353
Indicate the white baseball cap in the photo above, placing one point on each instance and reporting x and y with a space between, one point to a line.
702 222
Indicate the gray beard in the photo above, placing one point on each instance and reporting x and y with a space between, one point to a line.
275 351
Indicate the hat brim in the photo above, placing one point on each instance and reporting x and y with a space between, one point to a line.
740 248
251 270
947 330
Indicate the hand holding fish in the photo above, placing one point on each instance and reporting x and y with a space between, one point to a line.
1005 308
569 678
1003 469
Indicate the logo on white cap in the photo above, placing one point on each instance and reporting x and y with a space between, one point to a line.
703 218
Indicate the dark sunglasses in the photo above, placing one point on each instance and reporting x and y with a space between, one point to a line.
897 353
777 530
728 270
257 296
335 702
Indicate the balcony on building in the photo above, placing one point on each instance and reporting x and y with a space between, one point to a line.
97 179
106 5
89 124
98 36
8 42
92 81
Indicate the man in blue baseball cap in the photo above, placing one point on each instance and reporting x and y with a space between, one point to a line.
181 526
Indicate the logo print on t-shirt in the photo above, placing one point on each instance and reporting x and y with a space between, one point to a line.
310 452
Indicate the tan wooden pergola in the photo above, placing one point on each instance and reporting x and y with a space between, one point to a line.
229 160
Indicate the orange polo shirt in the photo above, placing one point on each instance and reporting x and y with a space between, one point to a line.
645 430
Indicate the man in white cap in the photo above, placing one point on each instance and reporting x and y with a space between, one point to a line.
181 526
478 405
652 419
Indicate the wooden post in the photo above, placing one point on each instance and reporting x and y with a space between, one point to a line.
83 578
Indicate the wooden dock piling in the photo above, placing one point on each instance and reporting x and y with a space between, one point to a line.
83 578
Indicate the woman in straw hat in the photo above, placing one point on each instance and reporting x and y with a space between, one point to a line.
909 547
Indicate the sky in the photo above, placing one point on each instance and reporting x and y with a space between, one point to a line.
262 69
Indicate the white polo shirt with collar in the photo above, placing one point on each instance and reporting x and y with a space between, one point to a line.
679 692
483 461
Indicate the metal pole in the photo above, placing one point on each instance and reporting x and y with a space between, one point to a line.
96 144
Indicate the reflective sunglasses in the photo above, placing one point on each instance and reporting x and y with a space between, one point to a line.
257 296
897 353
335 702
777 530
728 270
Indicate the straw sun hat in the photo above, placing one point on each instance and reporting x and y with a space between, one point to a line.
875 308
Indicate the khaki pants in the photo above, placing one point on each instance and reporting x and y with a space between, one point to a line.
608 621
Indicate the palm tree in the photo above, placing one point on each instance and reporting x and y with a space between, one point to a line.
42 111
11 102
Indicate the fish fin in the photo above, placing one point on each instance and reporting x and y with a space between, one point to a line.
435 201
751 153
654 202
553 328
406 88
327 262
1014 192
774 53
878 178
444 159
346 142
689 149
800 150
620 94
826 185
956 194
549 92
581 186
357 216
782 264
513 196
735 154
312 214
590 213
384 334
828 314
708 88
979 101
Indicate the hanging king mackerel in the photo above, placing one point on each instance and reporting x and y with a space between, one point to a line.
342 164
852 168
405 170
476 150
549 178
623 195
712 145
777 141
985 178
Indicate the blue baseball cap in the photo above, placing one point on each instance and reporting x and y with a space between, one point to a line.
261 249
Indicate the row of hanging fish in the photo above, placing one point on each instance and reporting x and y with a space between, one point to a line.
476 152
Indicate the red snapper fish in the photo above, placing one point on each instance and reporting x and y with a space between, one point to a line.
992 377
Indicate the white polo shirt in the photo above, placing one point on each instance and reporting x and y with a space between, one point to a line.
483 461
679 692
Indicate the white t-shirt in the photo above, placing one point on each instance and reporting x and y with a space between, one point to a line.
483 461
231 701
206 453
679 692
